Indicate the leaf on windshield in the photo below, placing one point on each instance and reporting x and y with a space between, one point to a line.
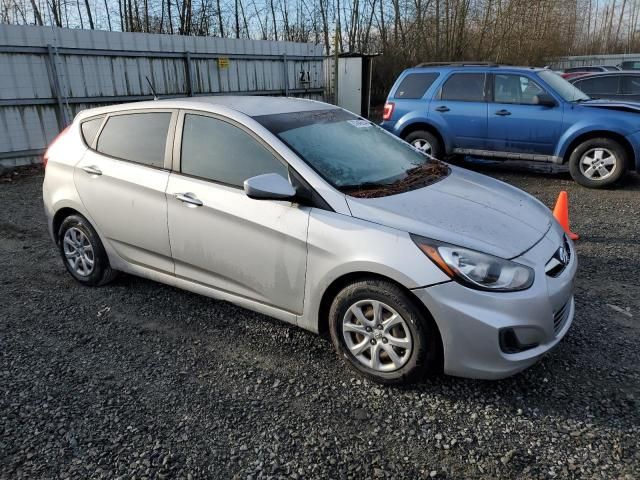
418 177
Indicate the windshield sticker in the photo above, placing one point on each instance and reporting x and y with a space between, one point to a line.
360 123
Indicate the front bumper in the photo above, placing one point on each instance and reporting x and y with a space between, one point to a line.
470 320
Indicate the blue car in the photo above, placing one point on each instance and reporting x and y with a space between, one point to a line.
514 113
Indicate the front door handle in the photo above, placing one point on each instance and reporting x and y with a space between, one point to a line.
92 170
189 198
442 109
503 112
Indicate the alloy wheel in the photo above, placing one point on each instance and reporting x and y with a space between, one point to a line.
598 163
78 251
377 336
422 145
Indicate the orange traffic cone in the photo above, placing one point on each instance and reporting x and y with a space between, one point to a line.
561 212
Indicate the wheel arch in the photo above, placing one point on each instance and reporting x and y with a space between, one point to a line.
413 127
601 134
59 217
339 283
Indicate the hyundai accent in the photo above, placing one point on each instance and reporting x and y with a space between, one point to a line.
307 213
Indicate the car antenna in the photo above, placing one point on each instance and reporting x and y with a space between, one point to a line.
153 90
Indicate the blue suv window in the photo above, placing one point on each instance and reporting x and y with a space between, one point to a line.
415 85
464 87
515 89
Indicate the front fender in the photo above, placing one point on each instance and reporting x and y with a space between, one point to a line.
587 123
339 245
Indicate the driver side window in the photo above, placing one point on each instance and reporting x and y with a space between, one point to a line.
217 150
515 89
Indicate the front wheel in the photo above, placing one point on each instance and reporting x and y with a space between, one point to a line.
598 162
378 330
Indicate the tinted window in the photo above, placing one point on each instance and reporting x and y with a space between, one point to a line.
606 84
611 68
631 85
630 65
415 85
139 137
466 87
216 150
90 128
515 89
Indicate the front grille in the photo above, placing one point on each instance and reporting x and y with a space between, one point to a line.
560 317
556 264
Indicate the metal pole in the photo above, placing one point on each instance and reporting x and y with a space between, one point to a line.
61 113
286 74
188 73
335 66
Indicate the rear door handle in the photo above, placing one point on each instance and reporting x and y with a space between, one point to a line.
503 112
92 170
442 109
189 198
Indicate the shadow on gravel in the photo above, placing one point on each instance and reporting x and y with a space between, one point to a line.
631 181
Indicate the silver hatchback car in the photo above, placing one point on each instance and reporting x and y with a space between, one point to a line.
307 213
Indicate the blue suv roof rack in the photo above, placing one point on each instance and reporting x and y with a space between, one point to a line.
457 64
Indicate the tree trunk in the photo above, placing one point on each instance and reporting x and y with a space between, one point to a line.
86 4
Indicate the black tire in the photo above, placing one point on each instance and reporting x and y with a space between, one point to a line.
612 147
437 149
425 350
101 272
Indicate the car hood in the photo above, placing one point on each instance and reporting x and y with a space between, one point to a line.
465 209
633 107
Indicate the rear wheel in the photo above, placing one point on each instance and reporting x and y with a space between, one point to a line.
598 162
83 253
379 332
426 142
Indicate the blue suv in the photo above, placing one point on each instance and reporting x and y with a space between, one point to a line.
488 110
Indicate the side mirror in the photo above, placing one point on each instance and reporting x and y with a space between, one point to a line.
269 186
545 100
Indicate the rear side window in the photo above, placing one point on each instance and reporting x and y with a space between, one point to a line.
606 84
464 87
415 85
631 85
219 151
90 128
137 137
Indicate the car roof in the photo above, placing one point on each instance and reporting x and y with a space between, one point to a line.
629 73
250 105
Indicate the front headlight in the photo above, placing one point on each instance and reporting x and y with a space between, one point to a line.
475 269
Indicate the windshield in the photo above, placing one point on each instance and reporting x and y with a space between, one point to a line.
352 154
562 87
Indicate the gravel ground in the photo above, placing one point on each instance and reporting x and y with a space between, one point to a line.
137 379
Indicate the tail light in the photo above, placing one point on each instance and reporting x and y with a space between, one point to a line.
388 111
47 154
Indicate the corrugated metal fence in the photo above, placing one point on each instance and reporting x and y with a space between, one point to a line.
579 61
47 75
